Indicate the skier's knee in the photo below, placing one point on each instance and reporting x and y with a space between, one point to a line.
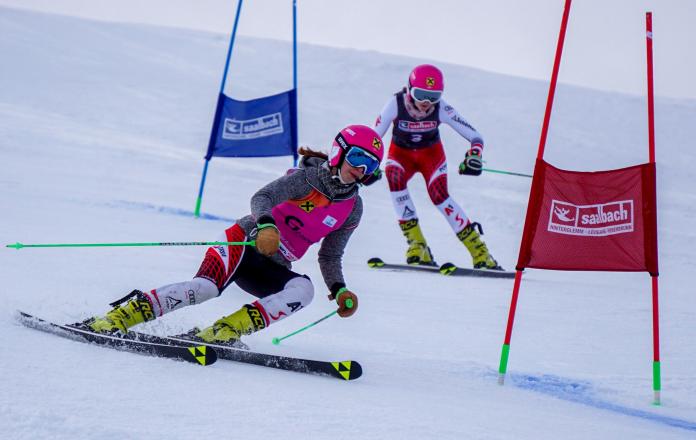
296 295
220 262
396 177
437 190
303 289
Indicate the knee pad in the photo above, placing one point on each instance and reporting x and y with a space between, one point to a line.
303 288
297 294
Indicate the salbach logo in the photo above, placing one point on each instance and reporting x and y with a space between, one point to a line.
262 126
591 220
417 126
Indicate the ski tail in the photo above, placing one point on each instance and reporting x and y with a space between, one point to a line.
195 353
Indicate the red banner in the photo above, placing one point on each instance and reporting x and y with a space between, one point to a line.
602 220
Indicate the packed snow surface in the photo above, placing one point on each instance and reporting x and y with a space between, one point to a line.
104 127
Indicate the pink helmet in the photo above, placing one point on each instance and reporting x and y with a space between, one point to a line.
428 77
360 145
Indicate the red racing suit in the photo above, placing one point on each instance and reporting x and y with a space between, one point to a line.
416 148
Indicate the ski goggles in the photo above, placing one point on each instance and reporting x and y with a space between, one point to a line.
359 158
421 95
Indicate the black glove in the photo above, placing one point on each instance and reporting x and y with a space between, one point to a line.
371 178
472 165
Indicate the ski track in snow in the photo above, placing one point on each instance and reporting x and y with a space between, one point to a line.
124 204
583 393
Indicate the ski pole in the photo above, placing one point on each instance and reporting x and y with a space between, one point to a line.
506 172
276 341
19 245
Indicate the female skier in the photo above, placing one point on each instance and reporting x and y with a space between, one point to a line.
416 112
318 200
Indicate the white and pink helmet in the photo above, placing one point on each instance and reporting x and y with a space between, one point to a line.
426 83
360 145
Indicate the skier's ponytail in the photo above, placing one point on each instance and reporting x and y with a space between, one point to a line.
308 152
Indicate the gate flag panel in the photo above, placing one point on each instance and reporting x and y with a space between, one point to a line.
261 127
602 220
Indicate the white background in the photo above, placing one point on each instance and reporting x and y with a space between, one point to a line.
604 43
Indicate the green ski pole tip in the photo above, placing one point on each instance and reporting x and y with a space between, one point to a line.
276 341
16 245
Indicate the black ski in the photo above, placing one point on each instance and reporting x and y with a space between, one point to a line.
194 353
346 370
446 269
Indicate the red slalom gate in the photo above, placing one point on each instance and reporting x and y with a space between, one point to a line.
591 221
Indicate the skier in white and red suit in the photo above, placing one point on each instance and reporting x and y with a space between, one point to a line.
316 202
416 113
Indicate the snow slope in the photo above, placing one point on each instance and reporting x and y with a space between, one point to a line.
103 131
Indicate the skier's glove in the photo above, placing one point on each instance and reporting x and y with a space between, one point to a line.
371 178
267 239
472 165
347 301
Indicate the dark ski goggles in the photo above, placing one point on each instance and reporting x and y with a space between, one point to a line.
359 158
421 95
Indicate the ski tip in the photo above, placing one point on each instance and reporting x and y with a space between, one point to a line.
356 370
347 370
375 262
203 355
447 268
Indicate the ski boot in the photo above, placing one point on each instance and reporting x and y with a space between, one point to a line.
477 248
229 329
126 313
418 252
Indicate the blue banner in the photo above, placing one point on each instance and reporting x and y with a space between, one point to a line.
258 128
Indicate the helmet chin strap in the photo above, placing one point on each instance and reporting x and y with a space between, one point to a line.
338 177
